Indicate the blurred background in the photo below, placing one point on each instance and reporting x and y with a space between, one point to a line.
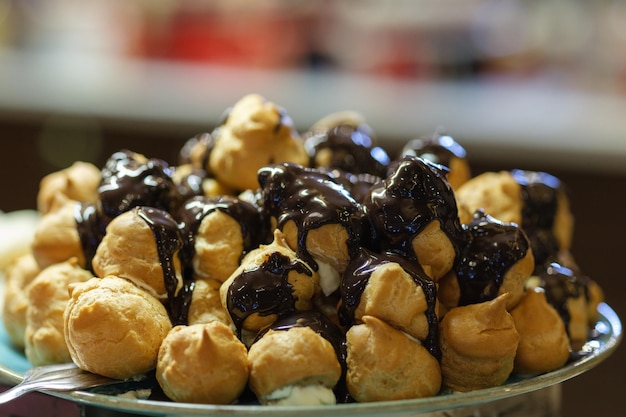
532 84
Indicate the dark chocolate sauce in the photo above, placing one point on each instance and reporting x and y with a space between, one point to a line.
414 194
191 185
264 289
190 216
351 149
560 284
540 200
128 181
91 229
357 275
169 242
197 151
311 198
491 249
439 149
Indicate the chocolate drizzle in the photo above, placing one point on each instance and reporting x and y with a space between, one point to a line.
90 229
492 248
540 196
169 242
264 289
439 149
129 181
351 149
355 280
192 213
402 205
312 199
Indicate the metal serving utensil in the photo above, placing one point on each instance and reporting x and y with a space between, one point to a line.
64 377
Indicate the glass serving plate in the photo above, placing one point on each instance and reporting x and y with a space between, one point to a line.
606 337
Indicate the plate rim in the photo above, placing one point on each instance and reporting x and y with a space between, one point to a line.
421 405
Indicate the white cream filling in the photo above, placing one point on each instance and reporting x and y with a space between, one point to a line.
329 277
301 395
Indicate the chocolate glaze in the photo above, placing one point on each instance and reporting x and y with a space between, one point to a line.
351 148
540 193
264 289
560 284
197 151
91 229
191 185
312 199
355 280
491 249
189 217
414 194
439 149
169 242
128 182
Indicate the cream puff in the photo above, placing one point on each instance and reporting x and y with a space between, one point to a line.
78 182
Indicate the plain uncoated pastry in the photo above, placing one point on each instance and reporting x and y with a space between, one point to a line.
206 305
385 364
295 357
114 328
544 345
78 182
202 363
18 275
47 298
478 344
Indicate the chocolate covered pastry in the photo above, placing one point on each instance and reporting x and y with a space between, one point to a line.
202 363
494 259
414 214
320 220
114 328
442 149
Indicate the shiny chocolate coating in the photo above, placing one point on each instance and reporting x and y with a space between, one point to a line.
91 229
439 149
414 194
169 242
129 182
191 185
191 214
357 275
540 199
197 151
312 199
491 248
264 289
351 148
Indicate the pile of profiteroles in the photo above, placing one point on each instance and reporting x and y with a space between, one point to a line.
275 267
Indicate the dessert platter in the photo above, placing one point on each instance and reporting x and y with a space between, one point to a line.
273 272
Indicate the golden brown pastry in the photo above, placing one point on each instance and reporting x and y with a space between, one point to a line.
202 363
257 132
496 258
442 149
414 213
536 201
271 281
57 238
478 344
78 182
47 298
391 289
385 364
543 345
296 362
206 305
217 233
18 275
141 245
318 217
114 328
